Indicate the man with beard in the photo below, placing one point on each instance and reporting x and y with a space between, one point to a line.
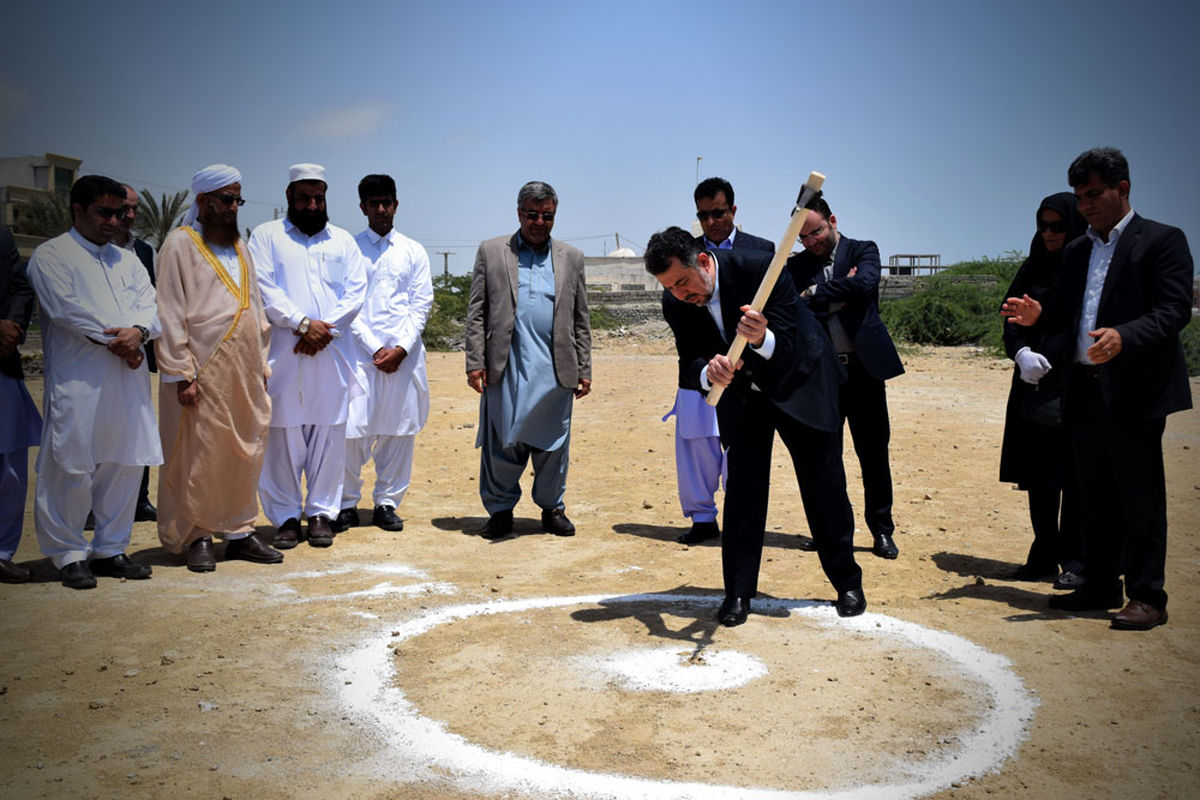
98 311
529 354
212 355
313 281
390 359
20 423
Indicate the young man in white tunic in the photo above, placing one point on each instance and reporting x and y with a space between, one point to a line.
313 281
389 360
98 311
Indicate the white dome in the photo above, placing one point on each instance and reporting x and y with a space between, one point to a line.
622 252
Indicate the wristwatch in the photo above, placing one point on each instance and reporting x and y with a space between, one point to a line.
144 331
304 325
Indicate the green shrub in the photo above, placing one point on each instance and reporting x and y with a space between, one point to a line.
1191 346
444 330
602 318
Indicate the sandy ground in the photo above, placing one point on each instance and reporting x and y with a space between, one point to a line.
370 669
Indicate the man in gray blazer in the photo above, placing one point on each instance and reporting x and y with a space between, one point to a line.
528 310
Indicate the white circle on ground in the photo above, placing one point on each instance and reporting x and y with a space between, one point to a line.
416 739
673 670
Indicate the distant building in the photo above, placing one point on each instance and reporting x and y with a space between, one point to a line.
27 179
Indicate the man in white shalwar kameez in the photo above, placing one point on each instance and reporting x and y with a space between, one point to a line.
98 310
313 281
389 359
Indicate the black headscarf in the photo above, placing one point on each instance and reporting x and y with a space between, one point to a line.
1039 273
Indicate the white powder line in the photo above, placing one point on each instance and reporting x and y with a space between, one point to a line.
388 589
412 737
402 570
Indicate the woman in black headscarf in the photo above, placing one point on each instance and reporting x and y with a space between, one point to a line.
1034 451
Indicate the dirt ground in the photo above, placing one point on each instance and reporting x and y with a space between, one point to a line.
370 669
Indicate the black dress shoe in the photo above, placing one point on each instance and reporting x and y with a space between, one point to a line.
347 518
1034 572
851 603
13 573
385 517
733 611
145 512
200 555
700 532
1090 598
252 548
288 535
498 525
1069 581
120 566
76 575
884 547
556 522
320 534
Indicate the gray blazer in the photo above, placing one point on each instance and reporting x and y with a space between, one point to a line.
491 311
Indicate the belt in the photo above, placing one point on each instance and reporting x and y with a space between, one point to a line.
845 357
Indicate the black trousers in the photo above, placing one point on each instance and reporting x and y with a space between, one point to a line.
1123 491
817 460
863 403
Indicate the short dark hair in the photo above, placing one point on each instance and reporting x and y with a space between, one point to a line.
1108 163
710 187
674 242
85 191
821 207
538 192
376 186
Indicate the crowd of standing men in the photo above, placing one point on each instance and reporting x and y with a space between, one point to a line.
297 357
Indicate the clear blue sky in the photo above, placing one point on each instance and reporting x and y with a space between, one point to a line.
939 125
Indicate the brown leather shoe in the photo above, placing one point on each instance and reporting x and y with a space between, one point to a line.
1139 616
12 573
320 534
288 535
200 555
252 548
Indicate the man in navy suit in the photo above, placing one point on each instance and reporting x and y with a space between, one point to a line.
838 278
1124 297
787 381
699 458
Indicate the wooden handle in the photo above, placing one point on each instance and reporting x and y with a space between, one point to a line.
799 213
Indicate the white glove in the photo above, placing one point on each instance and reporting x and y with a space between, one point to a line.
1033 365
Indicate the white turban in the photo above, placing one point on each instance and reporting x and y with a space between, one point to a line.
209 179
306 172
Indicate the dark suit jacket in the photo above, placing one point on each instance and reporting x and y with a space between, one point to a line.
491 311
16 297
1147 298
748 241
803 374
860 314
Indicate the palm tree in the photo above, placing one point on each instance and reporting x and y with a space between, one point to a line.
155 220
47 215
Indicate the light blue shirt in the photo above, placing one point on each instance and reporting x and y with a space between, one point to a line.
1101 257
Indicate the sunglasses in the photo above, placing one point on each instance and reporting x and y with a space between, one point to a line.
108 212
1058 226
228 199
532 216
716 213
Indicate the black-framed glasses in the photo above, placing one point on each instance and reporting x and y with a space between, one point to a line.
716 213
227 198
532 216
814 233
1058 226
108 212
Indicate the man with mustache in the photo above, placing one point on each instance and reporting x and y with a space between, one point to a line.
313 281
212 358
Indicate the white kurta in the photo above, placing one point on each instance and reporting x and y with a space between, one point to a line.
320 277
97 410
399 299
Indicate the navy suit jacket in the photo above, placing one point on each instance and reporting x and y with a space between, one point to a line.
16 297
748 241
803 374
860 293
1147 298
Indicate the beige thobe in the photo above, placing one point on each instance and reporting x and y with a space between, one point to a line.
214 332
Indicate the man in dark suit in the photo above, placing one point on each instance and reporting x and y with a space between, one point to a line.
786 382
838 278
1124 297
528 311
20 423
145 510
699 457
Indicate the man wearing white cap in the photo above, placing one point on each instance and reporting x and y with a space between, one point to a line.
313 281
212 359
98 311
